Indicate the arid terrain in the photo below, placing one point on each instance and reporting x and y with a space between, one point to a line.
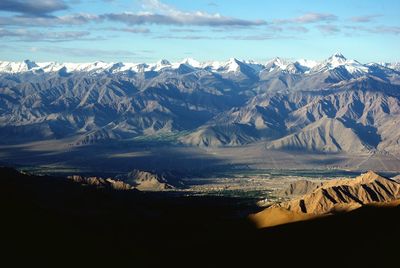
208 133
312 199
48 219
110 118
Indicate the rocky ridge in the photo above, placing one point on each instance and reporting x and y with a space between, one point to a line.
300 105
330 197
136 179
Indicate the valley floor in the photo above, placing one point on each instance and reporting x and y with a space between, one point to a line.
58 156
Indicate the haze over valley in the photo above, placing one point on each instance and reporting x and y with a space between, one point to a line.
200 133
333 110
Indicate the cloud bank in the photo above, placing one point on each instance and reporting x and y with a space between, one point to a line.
33 7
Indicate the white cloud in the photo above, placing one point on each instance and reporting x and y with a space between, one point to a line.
309 18
366 18
156 12
74 19
35 36
33 7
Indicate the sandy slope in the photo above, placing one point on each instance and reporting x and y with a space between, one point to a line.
333 196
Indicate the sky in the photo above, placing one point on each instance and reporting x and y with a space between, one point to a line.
150 30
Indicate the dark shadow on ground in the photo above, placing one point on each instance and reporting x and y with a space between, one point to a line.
52 221
113 159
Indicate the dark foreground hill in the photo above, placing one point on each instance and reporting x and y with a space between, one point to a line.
53 221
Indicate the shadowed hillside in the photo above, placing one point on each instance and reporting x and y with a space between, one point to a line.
52 220
338 105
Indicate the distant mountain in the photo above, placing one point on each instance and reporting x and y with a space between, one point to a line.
336 105
326 134
233 65
345 120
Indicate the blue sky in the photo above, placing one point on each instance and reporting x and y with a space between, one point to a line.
149 30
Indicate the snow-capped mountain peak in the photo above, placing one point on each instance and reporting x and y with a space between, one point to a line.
337 60
161 64
30 64
278 62
393 66
233 65
191 62
338 55
309 64
17 67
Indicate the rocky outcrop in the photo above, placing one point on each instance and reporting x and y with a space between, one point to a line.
396 178
346 194
334 196
300 187
101 182
147 181
136 179
143 180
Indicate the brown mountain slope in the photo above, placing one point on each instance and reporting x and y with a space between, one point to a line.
300 187
328 135
276 216
149 181
146 181
346 194
340 195
219 135
136 179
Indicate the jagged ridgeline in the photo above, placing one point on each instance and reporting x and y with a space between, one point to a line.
337 105
315 200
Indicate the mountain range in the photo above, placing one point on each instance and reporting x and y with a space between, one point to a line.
336 105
